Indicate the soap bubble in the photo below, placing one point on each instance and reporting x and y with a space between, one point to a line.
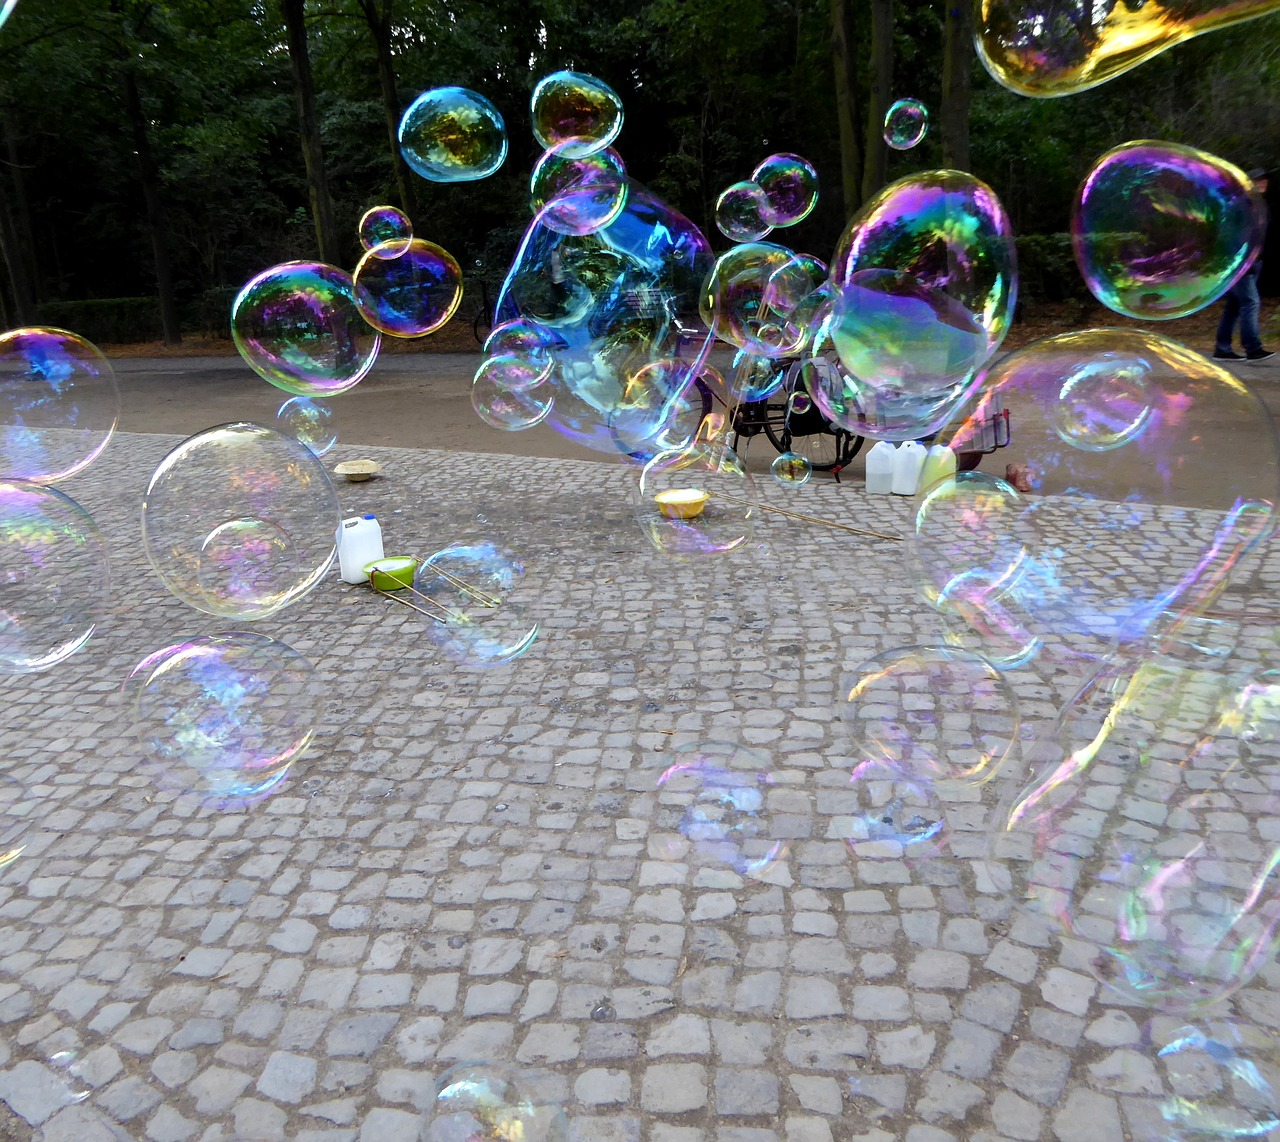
740 211
309 422
298 326
55 576
59 404
612 302
224 717
576 194
793 282
1050 49
16 805
905 124
720 805
450 134
576 112
411 295
733 299
239 521
755 378
488 1102
464 590
791 470
385 231
5 9
1133 521
502 406
696 501
1161 231
790 186
520 355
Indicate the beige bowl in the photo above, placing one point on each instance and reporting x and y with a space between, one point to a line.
357 470
682 503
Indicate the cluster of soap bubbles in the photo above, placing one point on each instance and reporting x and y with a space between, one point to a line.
782 191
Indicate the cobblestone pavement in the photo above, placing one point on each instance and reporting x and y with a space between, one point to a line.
464 865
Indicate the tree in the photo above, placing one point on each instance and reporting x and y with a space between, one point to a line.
957 66
844 62
880 95
377 14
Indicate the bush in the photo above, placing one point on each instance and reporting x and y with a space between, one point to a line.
106 321
210 313
1047 269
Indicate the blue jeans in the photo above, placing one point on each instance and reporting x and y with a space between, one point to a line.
1243 302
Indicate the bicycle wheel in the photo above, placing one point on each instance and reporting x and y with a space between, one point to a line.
811 435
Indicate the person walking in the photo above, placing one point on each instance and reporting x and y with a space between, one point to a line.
1242 304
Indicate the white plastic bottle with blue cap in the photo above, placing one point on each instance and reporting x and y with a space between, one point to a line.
359 544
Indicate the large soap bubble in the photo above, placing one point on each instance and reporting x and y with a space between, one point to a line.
385 229
608 304
740 212
574 193
412 294
1134 519
905 124
696 501
790 186
224 717
1161 230
1058 47
578 113
476 1102
298 326
239 521
59 404
451 134
720 806
1148 828
54 577
735 299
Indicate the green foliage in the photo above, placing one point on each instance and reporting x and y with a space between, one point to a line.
1047 269
112 321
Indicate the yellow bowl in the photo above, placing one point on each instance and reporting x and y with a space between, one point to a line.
357 470
393 573
682 503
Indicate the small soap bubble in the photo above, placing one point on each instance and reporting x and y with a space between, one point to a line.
55 576
905 124
733 299
727 810
59 404
573 193
298 326
239 521
740 211
310 422
790 186
385 231
575 111
1161 230
450 134
499 405
491 1102
410 295
224 717
791 470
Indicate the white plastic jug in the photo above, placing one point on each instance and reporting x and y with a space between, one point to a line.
880 467
907 464
359 544
939 464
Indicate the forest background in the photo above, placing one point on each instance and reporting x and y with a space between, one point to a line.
155 155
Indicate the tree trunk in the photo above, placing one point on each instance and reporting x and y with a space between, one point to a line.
25 248
380 26
875 161
957 67
844 59
11 256
309 129
157 216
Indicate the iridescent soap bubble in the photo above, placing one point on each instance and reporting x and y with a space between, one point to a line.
59 404
492 1102
792 282
239 521
451 134
740 212
790 186
720 805
733 299
754 378
386 231
503 406
16 806
1121 439
611 302
1043 49
573 193
6 9
1161 230
578 113
696 501
224 717
298 326
522 355
309 422
465 593
905 124
54 577
791 470
410 295
1148 825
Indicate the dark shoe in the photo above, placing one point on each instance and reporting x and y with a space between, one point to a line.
1219 355
1258 355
